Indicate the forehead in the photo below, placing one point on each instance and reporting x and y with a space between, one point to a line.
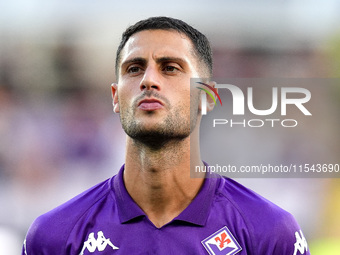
158 43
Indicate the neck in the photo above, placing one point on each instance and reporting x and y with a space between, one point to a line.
158 179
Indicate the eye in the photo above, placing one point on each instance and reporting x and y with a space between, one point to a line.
171 69
134 69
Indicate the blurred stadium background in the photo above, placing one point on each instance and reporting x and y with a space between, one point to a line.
58 135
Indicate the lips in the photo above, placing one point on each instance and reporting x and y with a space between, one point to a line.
150 104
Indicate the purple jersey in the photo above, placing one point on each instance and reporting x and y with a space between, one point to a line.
225 218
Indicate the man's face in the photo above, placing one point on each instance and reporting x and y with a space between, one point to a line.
154 86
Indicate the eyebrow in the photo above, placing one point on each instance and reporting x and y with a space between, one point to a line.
170 59
143 61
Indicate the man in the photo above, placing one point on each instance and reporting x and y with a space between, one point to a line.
153 206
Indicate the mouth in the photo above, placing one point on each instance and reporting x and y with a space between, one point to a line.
150 104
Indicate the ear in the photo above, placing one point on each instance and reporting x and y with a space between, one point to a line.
210 101
115 103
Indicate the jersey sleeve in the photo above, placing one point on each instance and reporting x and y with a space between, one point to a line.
51 233
43 239
281 236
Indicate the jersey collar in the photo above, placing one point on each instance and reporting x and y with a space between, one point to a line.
196 213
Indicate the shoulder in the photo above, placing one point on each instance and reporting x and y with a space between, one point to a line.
272 229
248 202
49 233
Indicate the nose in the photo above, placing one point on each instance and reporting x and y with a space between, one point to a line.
151 79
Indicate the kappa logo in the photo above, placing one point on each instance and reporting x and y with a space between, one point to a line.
301 244
100 243
221 242
25 249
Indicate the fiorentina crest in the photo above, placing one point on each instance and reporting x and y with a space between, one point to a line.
221 242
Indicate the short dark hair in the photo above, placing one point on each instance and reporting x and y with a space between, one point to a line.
201 44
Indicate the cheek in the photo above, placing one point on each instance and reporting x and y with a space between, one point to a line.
182 99
184 92
125 95
124 101
184 103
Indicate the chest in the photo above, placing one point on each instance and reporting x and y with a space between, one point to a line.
144 238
